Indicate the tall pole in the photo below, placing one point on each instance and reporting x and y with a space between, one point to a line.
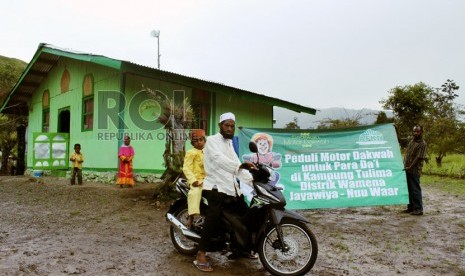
156 33
158 40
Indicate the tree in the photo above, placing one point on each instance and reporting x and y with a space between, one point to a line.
175 118
11 126
442 138
443 135
410 104
347 122
10 70
444 98
21 145
382 118
338 123
434 109
8 140
294 124
461 134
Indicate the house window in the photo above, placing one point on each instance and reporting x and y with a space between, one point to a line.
88 114
88 102
45 120
201 116
201 102
65 78
46 111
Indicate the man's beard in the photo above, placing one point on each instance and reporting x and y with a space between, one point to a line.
226 136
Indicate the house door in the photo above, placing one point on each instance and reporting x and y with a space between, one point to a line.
64 120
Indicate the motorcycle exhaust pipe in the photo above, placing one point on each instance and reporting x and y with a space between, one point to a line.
185 231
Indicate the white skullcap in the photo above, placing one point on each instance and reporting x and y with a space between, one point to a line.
227 116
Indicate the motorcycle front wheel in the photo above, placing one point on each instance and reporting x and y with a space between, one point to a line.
181 243
298 255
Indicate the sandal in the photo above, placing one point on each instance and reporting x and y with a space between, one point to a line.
205 267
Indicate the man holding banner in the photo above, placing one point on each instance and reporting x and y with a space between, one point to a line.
413 162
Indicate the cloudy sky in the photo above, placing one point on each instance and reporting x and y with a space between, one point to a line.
322 54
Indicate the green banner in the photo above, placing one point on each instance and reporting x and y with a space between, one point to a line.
331 168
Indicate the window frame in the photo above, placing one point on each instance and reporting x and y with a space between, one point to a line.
85 99
86 114
46 110
46 114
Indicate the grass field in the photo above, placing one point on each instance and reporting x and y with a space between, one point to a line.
453 166
445 184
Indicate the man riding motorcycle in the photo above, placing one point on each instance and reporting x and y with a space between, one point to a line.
220 187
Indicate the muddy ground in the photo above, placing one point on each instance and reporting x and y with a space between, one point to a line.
48 227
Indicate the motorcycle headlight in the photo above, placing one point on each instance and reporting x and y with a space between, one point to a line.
268 194
268 170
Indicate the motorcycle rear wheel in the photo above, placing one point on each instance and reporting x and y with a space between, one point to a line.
182 244
300 256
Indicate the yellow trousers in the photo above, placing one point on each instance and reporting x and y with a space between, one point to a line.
193 200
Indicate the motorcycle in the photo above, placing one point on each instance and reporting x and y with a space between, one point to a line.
285 245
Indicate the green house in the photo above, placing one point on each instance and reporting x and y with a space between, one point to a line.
93 100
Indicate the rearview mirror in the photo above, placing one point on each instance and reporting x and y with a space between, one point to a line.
253 147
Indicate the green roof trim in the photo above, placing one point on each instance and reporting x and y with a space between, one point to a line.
102 60
46 48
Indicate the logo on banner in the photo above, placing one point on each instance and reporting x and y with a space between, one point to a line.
371 137
305 140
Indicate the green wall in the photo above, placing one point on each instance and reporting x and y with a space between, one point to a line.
248 114
100 146
149 149
96 152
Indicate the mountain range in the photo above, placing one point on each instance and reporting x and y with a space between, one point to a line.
307 121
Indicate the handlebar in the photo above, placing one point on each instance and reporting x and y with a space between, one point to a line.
262 173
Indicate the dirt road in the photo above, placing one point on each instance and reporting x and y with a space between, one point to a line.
48 227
